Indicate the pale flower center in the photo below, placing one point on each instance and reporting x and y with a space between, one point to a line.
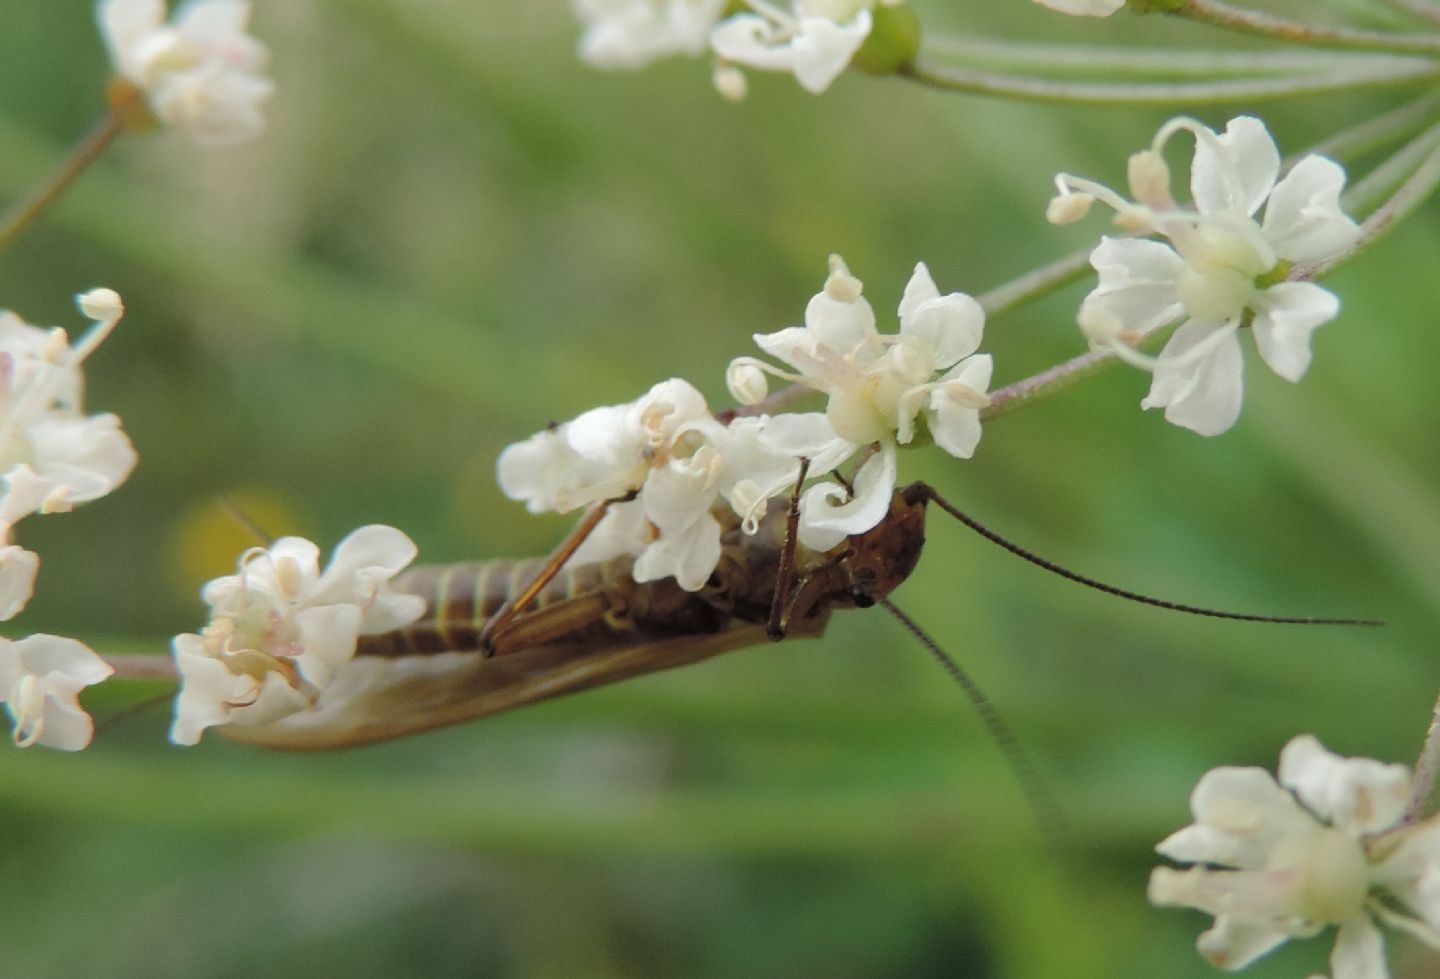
1332 874
1216 295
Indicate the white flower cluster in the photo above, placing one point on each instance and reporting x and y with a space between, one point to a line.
1325 846
668 459
812 39
53 457
279 628
1220 269
199 72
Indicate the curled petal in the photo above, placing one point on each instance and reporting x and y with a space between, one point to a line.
824 525
41 677
210 694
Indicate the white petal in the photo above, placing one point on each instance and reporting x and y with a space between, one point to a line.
1233 943
823 49
688 555
124 24
1358 795
1239 814
1359 951
1203 395
1303 221
823 524
43 654
18 568
1137 281
87 457
955 425
328 634
359 573
951 325
1249 154
542 470
623 530
1084 8
1286 315
843 327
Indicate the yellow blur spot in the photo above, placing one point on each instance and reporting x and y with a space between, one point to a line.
211 535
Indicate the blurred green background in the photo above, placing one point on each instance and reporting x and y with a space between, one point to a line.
452 233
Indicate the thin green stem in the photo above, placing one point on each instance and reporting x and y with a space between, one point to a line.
1151 64
958 79
141 666
1381 131
1421 157
85 152
1035 285
1424 9
1218 13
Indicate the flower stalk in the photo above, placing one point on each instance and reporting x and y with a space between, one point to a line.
87 151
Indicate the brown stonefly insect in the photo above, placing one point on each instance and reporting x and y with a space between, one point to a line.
501 634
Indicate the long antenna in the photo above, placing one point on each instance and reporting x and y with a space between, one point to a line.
1048 815
1064 572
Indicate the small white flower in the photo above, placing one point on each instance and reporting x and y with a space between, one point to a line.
41 678
1221 268
280 628
607 452
878 385
1320 848
1084 8
200 72
633 33
52 456
814 40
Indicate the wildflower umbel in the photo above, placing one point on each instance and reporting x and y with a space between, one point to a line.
200 71
882 390
1322 847
279 629
1220 271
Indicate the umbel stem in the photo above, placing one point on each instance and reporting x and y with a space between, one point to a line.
86 152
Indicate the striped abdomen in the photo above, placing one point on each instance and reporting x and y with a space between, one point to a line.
584 604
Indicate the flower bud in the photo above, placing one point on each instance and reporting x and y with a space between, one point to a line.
746 382
730 82
101 304
1068 208
1149 178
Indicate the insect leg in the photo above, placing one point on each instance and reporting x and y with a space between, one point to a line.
516 603
781 605
564 618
